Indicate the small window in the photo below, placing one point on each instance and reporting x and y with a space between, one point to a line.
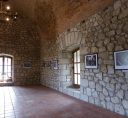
76 59
5 68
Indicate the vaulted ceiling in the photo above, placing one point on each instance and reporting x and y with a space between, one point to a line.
55 16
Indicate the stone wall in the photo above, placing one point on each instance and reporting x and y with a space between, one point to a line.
21 40
102 33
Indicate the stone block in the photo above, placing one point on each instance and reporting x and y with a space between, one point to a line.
110 87
111 33
96 79
118 48
103 104
64 61
119 109
84 97
89 92
95 94
126 75
62 78
100 44
84 50
86 73
72 38
96 70
95 23
117 4
110 47
91 84
125 104
110 106
91 75
108 62
104 55
111 94
107 40
102 49
91 100
99 75
105 92
124 13
102 96
94 49
126 112
120 94
125 28
84 91
115 100
76 94
62 67
124 87
60 89
99 87
118 86
126 95
107 99
82 66
106 79
102 83
84 82
110 69
65 91
65 72
101 36
97 101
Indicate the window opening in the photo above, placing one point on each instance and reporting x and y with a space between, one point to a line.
76 59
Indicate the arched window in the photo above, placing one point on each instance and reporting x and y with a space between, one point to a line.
5 68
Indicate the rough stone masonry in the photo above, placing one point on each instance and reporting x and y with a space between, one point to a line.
21 40
102 33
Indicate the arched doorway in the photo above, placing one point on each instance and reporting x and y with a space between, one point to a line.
6 65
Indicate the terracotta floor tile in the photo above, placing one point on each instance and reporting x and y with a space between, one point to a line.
42 102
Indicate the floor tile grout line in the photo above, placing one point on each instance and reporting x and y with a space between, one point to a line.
4 101
11 102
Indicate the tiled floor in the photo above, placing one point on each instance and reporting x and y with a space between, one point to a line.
41 102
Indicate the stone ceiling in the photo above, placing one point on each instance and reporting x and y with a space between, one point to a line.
55 16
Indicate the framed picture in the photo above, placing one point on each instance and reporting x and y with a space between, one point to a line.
54 64
91 61
27 65
121 59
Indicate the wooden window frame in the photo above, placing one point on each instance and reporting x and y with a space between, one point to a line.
75 85
3 66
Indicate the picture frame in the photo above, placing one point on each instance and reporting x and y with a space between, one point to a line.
54 64
121 60
91 61
27 64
